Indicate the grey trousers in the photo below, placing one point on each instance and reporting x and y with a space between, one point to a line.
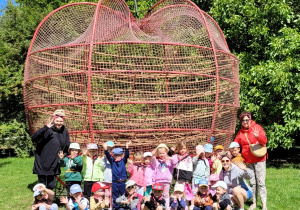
258 182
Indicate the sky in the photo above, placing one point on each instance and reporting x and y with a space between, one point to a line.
3 4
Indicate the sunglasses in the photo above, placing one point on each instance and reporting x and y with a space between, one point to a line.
39 195
130 187
100 190
227 161
246 120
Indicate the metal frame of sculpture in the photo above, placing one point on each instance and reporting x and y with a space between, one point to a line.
168 77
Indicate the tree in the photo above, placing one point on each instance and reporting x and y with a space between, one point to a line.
265 37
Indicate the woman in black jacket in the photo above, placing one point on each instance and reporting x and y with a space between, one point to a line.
49 141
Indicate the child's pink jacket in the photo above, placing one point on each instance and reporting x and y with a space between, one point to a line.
137 174
149 170
163 171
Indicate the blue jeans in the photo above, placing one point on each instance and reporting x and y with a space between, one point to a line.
53 207
203 208
118 189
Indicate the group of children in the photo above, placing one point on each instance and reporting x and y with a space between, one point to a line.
105 184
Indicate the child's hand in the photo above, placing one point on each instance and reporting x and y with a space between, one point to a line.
173 196
104 145
179 196
129 161
106 201
84 152
173 148
153 152
61 154
213 158
78 198
203 201
42 188
64 200
146 198
128 143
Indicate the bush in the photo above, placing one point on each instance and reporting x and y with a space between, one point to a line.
15 135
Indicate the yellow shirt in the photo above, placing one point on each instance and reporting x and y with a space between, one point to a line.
216 167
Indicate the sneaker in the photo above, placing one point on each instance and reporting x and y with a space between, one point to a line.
252 207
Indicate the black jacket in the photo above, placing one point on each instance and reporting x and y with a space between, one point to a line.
49 141
152 205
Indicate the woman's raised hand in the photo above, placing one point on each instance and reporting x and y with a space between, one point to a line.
49 122
241 166
256 132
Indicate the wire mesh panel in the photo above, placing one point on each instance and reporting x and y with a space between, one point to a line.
168 77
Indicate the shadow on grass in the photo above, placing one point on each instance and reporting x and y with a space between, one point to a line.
280 158
5 163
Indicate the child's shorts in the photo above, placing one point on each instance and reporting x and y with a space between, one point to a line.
148 190
249 194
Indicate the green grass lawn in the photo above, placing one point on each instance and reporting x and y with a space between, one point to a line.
17 180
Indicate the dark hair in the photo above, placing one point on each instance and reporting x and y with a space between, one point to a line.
226 154
245 113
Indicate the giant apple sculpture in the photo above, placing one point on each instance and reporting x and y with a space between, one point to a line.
168 77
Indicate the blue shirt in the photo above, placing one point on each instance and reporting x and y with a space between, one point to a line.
118 169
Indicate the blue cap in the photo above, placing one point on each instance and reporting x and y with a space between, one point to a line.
110 144
118 151
203 182
75 188
233 145
208 148
212 139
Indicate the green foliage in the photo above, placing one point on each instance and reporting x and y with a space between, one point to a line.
265 36
14 135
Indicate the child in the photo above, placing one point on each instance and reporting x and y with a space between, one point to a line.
208 148
118 167
201 168
217 165
163 168
43 198
73 166
130 199
76 201
184 168
213 178
106 167
148 172
155 201
221 199
92 171
100 199
178 201
203 199
137 172
234 149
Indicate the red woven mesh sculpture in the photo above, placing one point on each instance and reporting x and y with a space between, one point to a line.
168 77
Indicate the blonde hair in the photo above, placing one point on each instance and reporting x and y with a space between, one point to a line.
59 112
160 149
138 155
